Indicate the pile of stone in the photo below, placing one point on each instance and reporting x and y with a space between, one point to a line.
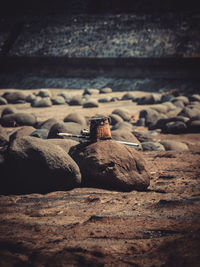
172 114
35 159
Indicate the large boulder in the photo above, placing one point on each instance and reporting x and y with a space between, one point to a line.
39 102
75 117
105 90
151 116
8 110
44 93
128 96
76 100
18 119
15 97
175 127
152 146
92 103
40 133
37 167
114 119
65 144
190 112
58 100
110 165
47 124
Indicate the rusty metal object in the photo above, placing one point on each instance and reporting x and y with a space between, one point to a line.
99 129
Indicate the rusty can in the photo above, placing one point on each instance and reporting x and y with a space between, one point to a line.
99 129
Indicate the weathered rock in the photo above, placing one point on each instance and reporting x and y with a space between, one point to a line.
123 126
90 104
23 131
123 113
65 95
194 126
191 113
179 103
151 116
175 127
128 96
76 101
8 110
39 102
76 117
3 101
44 93
140 122
110 165
40 168
18 119
104 99
160 108
105 90
40 133
184 99
195 97
149 99
58 100
169 105
65 144
4 139
47 124
174 145
145 136
152 146
124 135
30 98
90 91
114 119
64 127
14 97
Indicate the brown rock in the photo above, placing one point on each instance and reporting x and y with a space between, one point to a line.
75 117
23 131
110 165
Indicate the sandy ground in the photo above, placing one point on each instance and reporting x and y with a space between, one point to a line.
94 227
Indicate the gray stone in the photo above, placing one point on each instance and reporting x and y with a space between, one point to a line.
123 113
174 145
76 117
14 97
3 101
152 146
90 104
18 119
105 90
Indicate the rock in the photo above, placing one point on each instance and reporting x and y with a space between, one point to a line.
145 136
175 127
169 105
91 91
8 110
23 131
140 122
14 97
123 126
128 96
76 117
114 119
160 108
39 102
67 127
195 97
179 103
76 101
36 167
166 98
40 133
123 135
149 99
151 116
3 139
65 95
105 90
191 113
104 99
3 101
171 123
194 126
65 144
18 119
47 124
58 100
90 104
44 93
123 113
152 146
184 99
30 98
174 145
110 165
